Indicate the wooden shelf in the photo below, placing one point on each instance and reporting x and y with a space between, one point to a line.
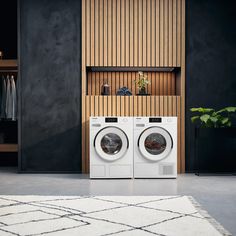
8 147
8 65
130 69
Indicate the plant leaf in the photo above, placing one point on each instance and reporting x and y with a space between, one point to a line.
214 114
214 119
227 109
225 120
204 118
230 109
201 110
220 111
194 118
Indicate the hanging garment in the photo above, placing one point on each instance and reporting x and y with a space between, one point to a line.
14 99
3 100
9 100
1 83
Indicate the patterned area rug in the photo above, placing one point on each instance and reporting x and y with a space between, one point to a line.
105 215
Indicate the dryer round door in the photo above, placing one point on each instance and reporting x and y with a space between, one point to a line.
155 143
111 143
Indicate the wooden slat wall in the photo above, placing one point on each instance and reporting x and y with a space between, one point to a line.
128 106
144 33
132 32
164 86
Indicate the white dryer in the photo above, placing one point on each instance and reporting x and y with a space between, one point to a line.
111 147
155 147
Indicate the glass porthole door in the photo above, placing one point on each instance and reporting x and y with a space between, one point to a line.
111 143
155 143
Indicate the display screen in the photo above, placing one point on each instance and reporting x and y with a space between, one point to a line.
111 120
154 120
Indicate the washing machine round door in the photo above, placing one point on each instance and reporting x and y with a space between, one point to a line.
111 143
155 143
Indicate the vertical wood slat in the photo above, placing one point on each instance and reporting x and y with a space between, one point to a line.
118 106
100 30
114 33
165 105
148 35
109 106
153 33
170 32
157 103
161 24
157 33
179 26
104 105
170 106
130 81
97 110
166 32
84 134
122 32
131 108
88 30
109 33
136 33
148 104
179 159
96 33
92 34
182 102
161 102
114 113
88 112
98 105
118 32
131 33
93 86
135 106
161 84
105 32
140 31
174 55
144 106
144 33
127 33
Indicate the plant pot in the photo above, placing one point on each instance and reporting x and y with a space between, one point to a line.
142 91
215 150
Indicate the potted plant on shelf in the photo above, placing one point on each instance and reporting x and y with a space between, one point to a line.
215 140
142 83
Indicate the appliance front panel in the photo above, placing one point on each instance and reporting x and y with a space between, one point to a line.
155 143
111 143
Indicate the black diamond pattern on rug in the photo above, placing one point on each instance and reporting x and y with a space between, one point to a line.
104 215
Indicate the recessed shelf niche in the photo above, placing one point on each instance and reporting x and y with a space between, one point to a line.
162 79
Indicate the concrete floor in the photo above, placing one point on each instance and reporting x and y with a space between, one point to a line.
217 194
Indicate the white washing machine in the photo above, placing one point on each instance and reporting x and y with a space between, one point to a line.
111 147
155 147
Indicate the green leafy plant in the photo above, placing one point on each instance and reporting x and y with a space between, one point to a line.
142 80
208 117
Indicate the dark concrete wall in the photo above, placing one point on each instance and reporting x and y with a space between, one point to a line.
210 59
50 85
8 29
